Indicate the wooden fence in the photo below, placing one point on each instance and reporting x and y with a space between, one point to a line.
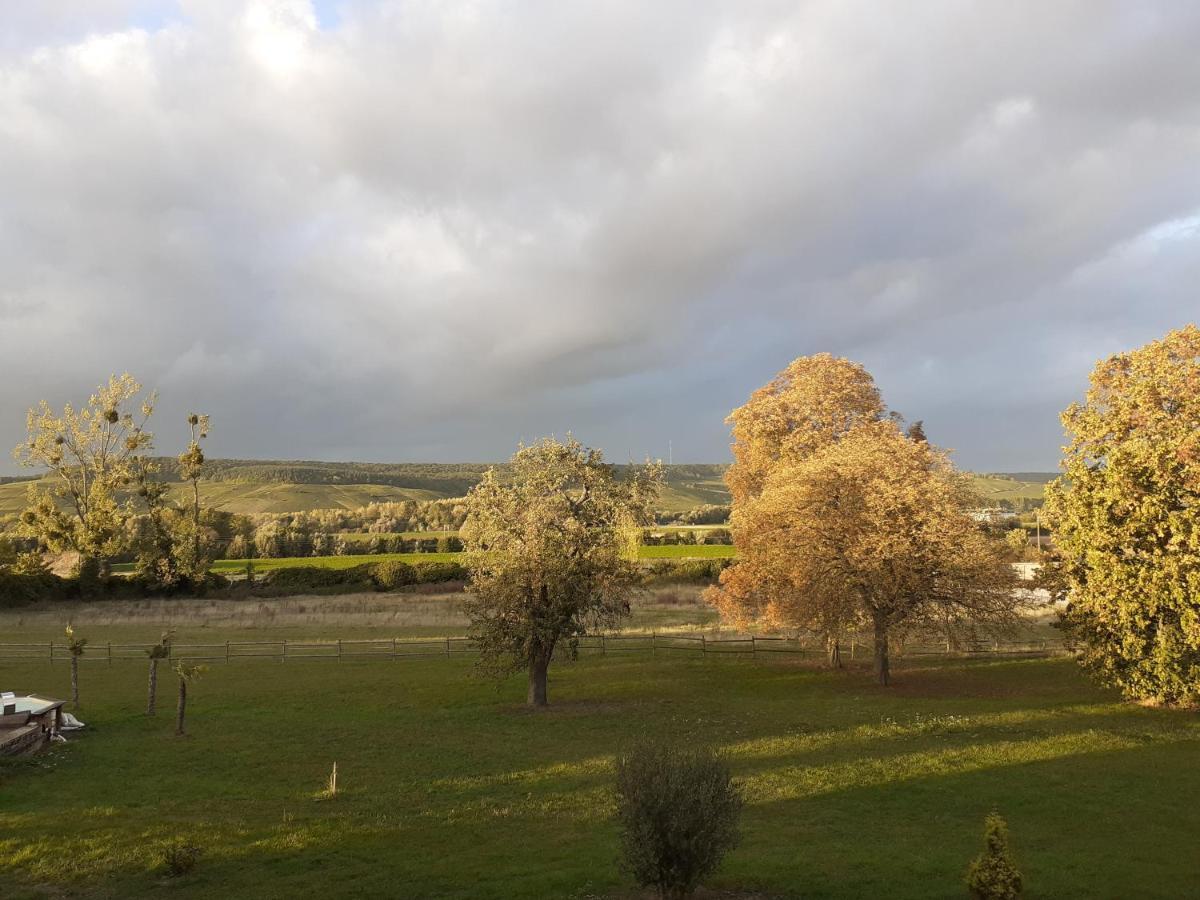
412 648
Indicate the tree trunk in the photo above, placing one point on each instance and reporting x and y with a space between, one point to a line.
882 672
182 707
152 697
537 680
833 651
75 681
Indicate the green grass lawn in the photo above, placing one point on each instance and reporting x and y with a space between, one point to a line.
450 788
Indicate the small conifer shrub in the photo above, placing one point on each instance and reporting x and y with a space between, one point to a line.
993 875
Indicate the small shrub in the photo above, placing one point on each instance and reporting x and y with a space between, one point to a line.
993 875
678 810
179 858
392 574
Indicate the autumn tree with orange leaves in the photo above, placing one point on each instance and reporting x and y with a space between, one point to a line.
842 519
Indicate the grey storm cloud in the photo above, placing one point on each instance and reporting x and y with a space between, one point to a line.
426 230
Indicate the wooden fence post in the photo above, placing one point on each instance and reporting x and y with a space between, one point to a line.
653 644
227 651
110 653
52 651
393 649
703 644
447 648
283 652
339 643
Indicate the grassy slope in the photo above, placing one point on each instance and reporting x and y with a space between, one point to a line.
263 496
685 489
1003 487
451 789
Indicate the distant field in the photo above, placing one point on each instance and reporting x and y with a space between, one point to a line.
697 551
237 566
687 486
1003 487
263 497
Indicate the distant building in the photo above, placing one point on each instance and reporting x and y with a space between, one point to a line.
992 515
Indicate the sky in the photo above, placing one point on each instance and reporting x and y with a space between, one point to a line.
427 231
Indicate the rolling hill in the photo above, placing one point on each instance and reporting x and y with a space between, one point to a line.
273 486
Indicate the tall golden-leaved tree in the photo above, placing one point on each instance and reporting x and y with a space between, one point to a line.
808 405
92 455
548 546
856 522
1126 517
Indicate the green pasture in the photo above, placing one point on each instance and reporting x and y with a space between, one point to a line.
688 551
238 566
451 788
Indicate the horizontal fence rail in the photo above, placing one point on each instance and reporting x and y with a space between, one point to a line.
600 644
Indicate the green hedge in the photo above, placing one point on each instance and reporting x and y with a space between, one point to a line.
701 571
437 572
389 575
19 590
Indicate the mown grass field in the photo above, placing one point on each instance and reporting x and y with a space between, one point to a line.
450 788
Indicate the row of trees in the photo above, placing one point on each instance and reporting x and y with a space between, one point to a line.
187 673
844 519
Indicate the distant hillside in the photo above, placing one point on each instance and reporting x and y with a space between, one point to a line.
1032 477
1013 487
259 486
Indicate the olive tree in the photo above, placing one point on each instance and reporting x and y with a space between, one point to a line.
548 547
678 809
